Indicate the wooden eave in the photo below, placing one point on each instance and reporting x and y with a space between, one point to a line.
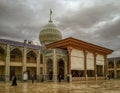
78 44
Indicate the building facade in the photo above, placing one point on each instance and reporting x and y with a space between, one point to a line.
114 67
16 58
86 61
71 58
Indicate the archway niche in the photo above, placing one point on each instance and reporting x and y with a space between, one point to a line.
61 68
16 55
31 57
50 69
2 54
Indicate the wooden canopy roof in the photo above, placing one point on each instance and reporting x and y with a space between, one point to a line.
79 44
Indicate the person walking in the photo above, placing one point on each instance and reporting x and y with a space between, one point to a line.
14 81
25 76
59 77
32 78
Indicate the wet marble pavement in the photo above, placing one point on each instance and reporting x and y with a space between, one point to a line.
108 86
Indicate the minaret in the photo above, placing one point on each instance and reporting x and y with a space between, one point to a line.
50 15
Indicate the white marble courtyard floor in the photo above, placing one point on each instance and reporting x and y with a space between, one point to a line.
108 86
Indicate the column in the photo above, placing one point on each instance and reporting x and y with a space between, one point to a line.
7 64
69 63
85 64
24 59
105 66
115 71
45 67
38 66
95 69
66 68
54 66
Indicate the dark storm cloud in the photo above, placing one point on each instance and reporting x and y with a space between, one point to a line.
22 19
88 16
95 21
110 35
98 24
17 21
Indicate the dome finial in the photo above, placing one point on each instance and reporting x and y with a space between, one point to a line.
50 15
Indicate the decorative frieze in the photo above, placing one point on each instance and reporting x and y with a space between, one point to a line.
50 51
60 51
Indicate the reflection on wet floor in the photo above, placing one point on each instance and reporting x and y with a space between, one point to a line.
108 86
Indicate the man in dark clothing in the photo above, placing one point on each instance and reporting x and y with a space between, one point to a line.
14 81
59 77
32 78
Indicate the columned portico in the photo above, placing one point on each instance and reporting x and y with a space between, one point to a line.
84 65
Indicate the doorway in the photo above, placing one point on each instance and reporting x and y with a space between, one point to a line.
50 69
61 68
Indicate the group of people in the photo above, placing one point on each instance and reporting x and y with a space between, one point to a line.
14 80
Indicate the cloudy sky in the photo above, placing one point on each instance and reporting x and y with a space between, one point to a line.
94 21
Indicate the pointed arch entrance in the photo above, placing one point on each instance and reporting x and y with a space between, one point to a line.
61 68
31 57
50 69
2 54
16 55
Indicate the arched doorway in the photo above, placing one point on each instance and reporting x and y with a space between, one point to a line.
2 54
16 57
31 58
61 68
2 60
50 69
31 71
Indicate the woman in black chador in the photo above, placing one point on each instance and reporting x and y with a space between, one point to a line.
14 82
